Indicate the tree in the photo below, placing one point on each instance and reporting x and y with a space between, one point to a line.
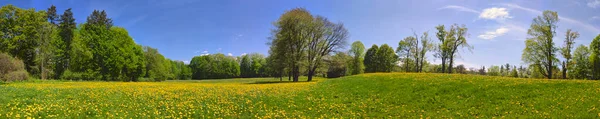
540 50
371 61
214 66
456 41
494 71
386 59
595 58
63 56
326 38
290 39
443 48
246 67
425 47
52 16
19 34
337 65
128 60
566 50
99 18
156 65
514 72
461 69
45 50
580 68
482 70
357 52
404 49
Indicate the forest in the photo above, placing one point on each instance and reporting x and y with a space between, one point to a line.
43 44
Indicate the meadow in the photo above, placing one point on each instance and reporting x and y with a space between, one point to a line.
376 95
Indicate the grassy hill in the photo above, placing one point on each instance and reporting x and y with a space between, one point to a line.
378 95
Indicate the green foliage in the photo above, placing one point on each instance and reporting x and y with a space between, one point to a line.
493 71
357 51
338 65
514 73
303 40
246 67
64 51
406 51
214 66
442 50
157 66
595 58
371 61
387 58
540 49
456 39
181 70
580 65
19 33
565 51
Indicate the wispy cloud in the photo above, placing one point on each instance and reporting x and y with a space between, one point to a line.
593 3
459 8
495 13
133 22
594 18
203 53
229 54
566 19
493 34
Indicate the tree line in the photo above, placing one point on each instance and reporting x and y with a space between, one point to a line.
53 46
48 45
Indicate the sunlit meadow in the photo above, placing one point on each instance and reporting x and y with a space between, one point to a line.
378 95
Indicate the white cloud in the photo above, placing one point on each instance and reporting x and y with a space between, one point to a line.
229 54
595 18
243 54
459 8
495 13
186 61
565 19
593 3
493 34
204 53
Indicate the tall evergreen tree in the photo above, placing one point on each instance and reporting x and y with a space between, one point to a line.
63 56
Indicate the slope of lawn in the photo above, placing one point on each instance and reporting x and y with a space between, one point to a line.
378 95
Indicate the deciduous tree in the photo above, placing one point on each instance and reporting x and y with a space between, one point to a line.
540 49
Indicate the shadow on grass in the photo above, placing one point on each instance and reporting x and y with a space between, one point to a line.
274 82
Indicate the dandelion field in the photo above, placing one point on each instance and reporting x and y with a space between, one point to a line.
378 95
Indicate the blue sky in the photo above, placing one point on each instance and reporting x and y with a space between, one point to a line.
182 29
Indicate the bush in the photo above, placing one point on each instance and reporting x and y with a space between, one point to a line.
12 69
16 76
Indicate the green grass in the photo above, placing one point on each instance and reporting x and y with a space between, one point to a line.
378 95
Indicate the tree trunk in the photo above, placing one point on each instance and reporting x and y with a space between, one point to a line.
310 75
43 72
443 64
290 76
564 70
451 63
296 74
549 67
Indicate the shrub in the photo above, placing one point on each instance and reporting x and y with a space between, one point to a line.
12 69
16 76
